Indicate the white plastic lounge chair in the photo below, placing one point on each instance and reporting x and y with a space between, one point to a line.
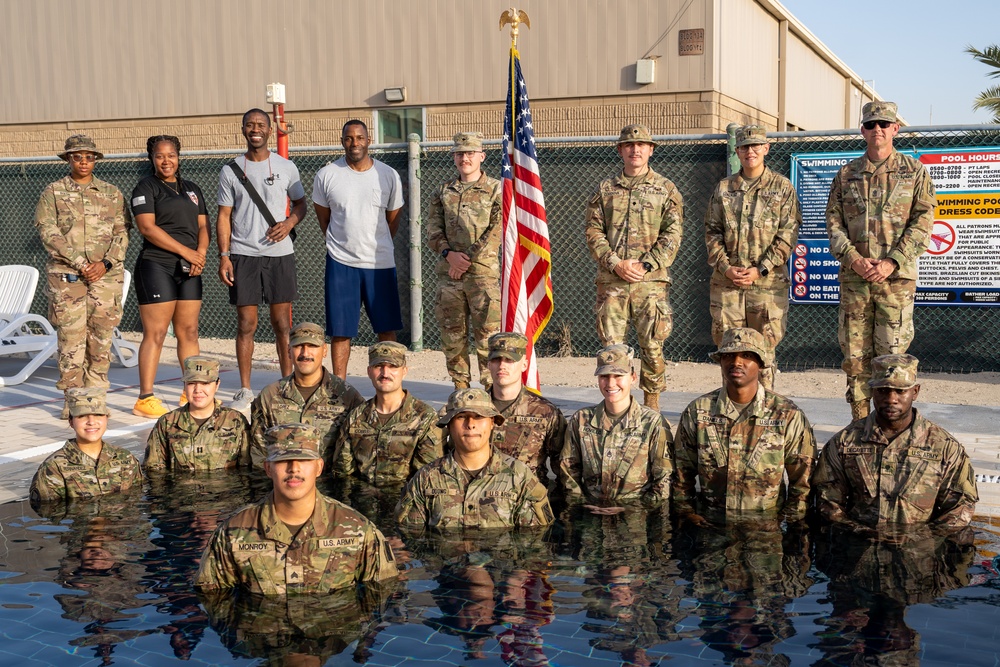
22 332
118 344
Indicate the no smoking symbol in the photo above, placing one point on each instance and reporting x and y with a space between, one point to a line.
801 263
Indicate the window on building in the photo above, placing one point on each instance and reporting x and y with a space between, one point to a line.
395 124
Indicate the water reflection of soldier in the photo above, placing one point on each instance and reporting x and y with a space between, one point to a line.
874 580
744 576
104 543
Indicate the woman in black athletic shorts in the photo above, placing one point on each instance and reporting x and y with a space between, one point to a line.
171 215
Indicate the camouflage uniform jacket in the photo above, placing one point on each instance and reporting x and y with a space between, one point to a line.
178 443
389 452
641 223
740 458
281 403
505 494
608 462
69 473
752 226
466 218
879 213
81 224
334 549
923 475
532 432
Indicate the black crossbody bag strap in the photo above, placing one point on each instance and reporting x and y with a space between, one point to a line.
255 196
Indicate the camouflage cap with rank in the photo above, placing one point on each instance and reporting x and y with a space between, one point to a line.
387 352
467 142
475 401
636 134
200 369
743 340
751 135
292 442
879 111
80 143
508 345
83 401
307 333
898 371
615 360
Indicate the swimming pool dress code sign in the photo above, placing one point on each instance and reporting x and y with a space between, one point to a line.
962 263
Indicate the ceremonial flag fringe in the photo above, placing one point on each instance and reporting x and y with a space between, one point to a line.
526 281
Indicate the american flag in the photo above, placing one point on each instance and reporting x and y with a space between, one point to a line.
526 282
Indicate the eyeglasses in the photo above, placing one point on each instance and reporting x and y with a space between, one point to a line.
870 125
756 148
83 157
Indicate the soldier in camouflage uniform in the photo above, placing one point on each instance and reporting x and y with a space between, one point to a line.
751 225
617 451
741 442
296 540
894 467
203 434
633 229
86 466
390 437
310 395
81 220
463 227
879 217
474 485
533 428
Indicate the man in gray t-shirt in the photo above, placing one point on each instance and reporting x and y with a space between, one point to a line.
256 259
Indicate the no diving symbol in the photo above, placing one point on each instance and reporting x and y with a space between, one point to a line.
942 238
801 249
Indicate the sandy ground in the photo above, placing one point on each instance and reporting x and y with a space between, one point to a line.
954 389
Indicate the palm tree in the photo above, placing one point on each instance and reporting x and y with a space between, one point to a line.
989 99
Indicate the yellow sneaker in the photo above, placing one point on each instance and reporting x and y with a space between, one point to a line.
150 408
183 400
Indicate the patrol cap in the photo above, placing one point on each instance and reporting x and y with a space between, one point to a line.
614 360
636 134
288 442
475 401
743 340
79 143
898 371
751 135
200 369
467 142
508 345
87 401
879 111
307 333
387 352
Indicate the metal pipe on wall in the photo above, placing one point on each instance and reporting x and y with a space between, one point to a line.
416 272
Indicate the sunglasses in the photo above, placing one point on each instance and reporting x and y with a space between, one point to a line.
83 157
870 125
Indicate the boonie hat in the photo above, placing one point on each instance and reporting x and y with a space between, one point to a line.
879 111
467 142
508 345
475 401
87 401
387 352
614 360
743 340
307 333
636 134
898 371
200 369
79 143
751 135
288 442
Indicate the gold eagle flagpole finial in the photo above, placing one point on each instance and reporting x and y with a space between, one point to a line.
514 17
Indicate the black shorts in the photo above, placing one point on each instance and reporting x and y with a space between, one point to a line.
155 283
258 280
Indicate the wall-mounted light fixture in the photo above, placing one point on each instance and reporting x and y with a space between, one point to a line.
395 94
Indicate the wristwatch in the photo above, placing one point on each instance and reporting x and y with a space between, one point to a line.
107 265
763 271
224 254
444 253
647 266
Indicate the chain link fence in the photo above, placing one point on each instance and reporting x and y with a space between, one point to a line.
948 338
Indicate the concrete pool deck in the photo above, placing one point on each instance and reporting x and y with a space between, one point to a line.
29 420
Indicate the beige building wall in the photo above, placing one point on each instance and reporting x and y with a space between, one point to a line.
819 96
747 45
